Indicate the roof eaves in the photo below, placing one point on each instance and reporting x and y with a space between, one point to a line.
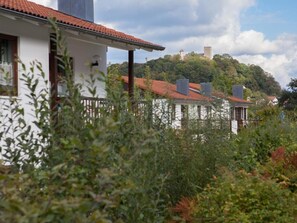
145 46
240 102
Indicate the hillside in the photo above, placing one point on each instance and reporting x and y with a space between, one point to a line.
223 71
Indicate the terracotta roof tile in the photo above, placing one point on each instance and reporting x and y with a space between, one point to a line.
42 12
239 100
271 98
166 89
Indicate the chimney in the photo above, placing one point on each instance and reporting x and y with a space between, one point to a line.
206 89
83 9
208 52
237 91
182 86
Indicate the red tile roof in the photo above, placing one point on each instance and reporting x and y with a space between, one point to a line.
166 89
195 86
33 10
271 98
239 100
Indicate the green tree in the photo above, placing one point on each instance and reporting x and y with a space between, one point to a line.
288 97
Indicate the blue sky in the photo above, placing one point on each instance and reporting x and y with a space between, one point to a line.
261 32
271 17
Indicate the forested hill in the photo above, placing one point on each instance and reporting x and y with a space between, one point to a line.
223 71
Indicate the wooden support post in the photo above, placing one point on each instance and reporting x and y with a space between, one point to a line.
131 75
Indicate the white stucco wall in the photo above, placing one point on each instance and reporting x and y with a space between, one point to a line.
33 44
83 53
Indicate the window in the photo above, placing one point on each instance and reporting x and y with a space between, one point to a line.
184 111
245 114
184 116
62 73
173 112
232 113
238 113
199 112
8 65
58 72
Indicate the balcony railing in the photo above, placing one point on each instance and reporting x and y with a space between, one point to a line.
95 107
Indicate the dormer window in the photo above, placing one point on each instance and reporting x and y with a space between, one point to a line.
8 65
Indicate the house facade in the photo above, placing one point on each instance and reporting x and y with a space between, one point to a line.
178 104
172 104
272 100
233 108
26 33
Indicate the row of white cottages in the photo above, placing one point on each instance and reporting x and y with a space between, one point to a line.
25 33
178 104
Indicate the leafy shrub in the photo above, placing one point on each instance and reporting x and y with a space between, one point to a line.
282 167
185 208
243 197
119 166
76 167
189 158
114 167
254 145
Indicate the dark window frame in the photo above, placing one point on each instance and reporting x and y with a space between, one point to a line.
184 111
173 112
244 113
62 74
199 111
14 90
238 113
232 113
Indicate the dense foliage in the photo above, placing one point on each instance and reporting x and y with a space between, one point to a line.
70 166
222 71
243 197
288 97
119 166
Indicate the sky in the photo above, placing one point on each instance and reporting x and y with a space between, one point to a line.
261 32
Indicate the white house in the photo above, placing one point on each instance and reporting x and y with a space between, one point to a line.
25 33
176 104
234 107
272 100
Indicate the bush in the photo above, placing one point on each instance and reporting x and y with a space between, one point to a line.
115 167
189 161
243 197
282 167
119 166
254 145
76 167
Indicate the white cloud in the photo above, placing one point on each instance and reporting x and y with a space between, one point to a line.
252 42
192 24
282 64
